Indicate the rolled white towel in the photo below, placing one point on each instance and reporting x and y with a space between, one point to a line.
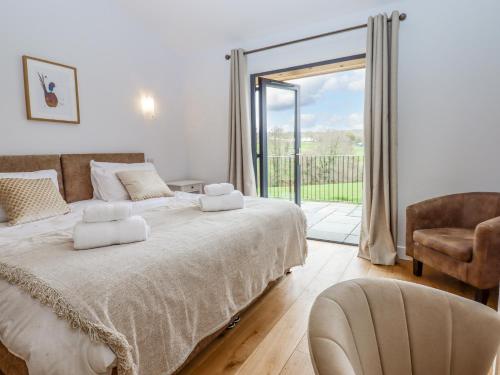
91 235
231 201
107 212
218 189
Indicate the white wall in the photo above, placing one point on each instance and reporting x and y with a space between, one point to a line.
449 91
449 114
116 60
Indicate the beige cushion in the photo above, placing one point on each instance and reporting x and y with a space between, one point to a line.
390 327
26 200
142 184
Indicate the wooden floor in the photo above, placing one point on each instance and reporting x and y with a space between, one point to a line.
270 338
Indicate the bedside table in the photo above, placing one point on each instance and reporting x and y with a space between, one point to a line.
187 186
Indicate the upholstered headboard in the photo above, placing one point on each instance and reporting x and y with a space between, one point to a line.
73 170
76 172
30 163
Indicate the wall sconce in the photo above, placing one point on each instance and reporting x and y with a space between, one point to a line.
148 106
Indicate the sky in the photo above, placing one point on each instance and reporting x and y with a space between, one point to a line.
328 102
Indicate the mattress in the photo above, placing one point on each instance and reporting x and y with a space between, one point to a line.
32 332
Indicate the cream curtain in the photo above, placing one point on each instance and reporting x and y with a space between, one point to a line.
379 222
241 172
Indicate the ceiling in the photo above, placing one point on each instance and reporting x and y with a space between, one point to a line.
192 24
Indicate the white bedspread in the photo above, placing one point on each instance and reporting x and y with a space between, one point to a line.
48 345
31 331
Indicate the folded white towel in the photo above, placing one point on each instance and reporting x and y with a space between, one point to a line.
91 235
218 189
107 212
231 201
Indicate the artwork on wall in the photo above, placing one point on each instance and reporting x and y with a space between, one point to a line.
51 91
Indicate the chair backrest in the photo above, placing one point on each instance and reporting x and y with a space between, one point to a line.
479 207
389 327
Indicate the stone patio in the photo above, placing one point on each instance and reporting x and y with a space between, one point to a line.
333 221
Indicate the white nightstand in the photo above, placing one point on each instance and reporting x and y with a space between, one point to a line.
187 186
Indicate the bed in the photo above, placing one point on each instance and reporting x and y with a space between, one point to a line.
158 303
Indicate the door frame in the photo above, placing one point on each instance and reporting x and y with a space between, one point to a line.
263 84
253 89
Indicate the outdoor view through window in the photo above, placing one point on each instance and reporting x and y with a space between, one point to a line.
331 150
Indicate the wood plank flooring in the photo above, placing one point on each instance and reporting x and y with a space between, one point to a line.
271 337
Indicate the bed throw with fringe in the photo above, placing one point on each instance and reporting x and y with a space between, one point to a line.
152 302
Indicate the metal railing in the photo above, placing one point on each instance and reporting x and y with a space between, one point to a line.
330 178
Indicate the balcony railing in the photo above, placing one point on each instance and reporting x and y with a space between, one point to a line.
330 178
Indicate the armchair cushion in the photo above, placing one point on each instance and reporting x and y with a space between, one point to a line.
454 242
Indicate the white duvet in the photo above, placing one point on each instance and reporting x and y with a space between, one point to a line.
33 332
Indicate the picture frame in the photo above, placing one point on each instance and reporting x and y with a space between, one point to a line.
51 91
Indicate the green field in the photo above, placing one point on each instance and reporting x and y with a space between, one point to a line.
339 192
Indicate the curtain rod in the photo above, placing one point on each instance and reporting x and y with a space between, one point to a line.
402 17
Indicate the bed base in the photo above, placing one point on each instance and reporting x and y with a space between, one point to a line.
13 365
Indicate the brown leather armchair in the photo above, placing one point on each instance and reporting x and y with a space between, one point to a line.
459 235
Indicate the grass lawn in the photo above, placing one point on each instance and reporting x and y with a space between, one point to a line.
340 192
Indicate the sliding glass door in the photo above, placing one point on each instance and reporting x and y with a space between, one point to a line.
278 139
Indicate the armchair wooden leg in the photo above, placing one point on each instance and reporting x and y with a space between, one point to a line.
482 296
417 267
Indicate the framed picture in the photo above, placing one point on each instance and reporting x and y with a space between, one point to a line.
51 91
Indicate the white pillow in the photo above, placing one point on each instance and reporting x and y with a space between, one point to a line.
46 173
107 186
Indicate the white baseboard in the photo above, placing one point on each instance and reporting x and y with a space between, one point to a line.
401 250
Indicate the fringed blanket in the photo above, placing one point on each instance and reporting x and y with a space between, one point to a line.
152 302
